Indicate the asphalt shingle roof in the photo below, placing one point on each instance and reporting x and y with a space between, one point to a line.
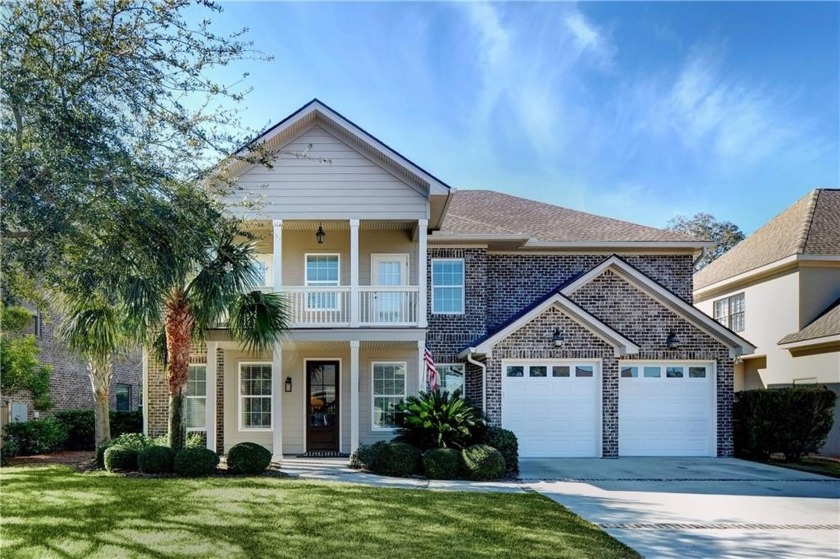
483 212
810 226
827 324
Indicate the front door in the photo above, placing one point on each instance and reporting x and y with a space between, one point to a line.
322 405
390 270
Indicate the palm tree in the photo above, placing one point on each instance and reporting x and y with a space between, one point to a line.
199 290
94 327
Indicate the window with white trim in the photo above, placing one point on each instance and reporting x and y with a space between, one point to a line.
389 389
262 266
670 371
322 270
123 397
451 377
196 402
729 311
448 285
255 396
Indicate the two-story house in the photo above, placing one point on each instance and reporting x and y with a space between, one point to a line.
780 288
575 331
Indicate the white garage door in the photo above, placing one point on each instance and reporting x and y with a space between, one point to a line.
666 409
553 407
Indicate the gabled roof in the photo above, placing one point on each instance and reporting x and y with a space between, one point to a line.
737 345
316 112
474 213
826 326
811 226
622 345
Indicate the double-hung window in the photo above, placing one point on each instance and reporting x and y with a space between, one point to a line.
322 270
451 377
255 396
262 269
196 403
730 312
448 286
388 390
123 397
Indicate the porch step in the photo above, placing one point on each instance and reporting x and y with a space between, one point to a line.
323 454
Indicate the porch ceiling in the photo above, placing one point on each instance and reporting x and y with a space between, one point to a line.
332 225
327 346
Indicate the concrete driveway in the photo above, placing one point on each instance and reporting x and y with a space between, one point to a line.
697 507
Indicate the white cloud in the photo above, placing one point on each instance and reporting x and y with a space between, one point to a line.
589 37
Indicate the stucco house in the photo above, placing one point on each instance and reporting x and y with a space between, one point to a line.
780 289
576 331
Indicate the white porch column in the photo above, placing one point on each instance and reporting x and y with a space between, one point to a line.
277 256
210 401
421 365
354 395
277 401
354 273
422 255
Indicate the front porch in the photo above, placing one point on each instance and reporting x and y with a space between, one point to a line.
317 395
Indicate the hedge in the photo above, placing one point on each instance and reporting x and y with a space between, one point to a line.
442 463
482 462
794 421
505 442
195 462
37 436
248 458
398 459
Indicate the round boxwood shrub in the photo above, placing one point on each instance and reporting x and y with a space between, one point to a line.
137 441
398 459
482 462
248 458
155 460
442 463
505 442
195 462
366 457
121 458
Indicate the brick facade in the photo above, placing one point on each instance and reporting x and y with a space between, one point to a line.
157 406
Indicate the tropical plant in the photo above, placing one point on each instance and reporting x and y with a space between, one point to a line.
19 358
438 419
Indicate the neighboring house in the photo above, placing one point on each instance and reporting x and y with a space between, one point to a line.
69 383
780 289
575 331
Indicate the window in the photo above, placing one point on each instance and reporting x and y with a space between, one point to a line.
388 391
322 270
629 372
584 371
653 372
674 372
255 396
123 393
196 403
263 270
730 312
140 397
515 371
560 371
451 377
538 371
447 286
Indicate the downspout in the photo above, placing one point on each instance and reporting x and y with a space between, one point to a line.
470 359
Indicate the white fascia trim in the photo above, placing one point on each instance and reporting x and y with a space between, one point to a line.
811 342
706 291
737 344
622 345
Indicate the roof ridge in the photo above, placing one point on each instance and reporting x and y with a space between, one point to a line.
805 228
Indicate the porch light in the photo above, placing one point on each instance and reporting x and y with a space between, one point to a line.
673 342
288 384
558 338
319 236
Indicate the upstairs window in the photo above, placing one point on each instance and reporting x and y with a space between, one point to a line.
322 270
730 312
263 270
447 286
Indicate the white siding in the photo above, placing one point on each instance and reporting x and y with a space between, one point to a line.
350 186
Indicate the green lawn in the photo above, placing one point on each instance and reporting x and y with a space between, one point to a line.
813 464
53 511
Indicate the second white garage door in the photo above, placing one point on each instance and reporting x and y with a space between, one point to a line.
666 409
553 407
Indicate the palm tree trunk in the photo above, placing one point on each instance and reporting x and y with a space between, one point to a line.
100 372
179 323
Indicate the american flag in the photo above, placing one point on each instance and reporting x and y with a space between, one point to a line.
431 371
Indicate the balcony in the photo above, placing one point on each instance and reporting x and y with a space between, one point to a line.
331 307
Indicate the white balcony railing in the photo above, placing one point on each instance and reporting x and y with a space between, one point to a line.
330 306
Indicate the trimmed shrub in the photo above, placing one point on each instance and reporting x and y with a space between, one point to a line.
792 420
442 463
37 436
193 462
398 459
156 460
438 420
120 458
79 425
193 440
505 442
248 458
123 422
137 441
482 462
366 457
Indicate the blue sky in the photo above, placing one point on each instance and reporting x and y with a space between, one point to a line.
638 111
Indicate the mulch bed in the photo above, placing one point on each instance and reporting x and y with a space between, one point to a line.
81 460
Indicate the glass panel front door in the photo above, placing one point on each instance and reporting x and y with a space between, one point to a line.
390 270
322 407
